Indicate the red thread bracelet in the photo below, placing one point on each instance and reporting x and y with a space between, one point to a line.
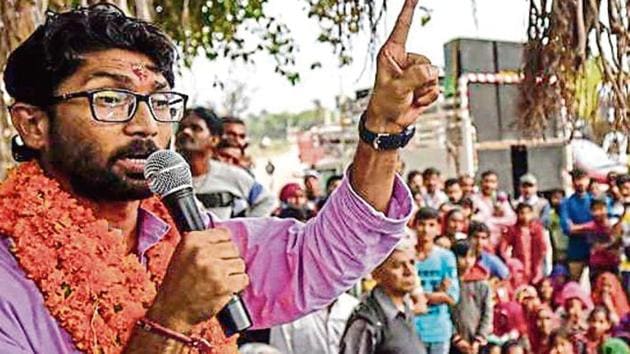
198 343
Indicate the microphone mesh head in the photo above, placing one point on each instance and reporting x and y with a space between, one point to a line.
166 172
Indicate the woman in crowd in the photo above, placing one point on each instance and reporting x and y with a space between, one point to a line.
608 293
576 304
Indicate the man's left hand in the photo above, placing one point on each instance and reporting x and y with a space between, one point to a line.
406 83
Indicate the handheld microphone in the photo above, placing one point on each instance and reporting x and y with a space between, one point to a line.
168 175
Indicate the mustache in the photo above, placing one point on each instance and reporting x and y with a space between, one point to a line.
139 149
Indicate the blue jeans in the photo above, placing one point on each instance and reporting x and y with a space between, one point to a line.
437 348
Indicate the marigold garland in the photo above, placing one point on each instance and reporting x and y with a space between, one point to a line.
94 290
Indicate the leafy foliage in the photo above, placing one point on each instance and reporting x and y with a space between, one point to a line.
563 35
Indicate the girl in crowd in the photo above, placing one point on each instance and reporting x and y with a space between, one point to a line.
512 347
543 326
545 292
517 275
598 329
509 323
560 343
575 305
609 293
559 277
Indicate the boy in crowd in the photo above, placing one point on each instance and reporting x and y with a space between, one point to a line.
604 245
436 267
472 316
479 234
559 239
525 241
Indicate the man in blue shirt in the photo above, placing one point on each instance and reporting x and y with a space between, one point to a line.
438 275
479 234
575 213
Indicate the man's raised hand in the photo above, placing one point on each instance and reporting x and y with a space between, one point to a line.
406 83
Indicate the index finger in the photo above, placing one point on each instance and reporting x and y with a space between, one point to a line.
403 23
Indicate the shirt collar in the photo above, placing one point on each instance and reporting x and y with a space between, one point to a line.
390 310
151 230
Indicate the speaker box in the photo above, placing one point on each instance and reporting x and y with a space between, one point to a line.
468 56
511 162
509 56
546 162
508 111
484 110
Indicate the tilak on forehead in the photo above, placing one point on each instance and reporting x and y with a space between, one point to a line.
139 69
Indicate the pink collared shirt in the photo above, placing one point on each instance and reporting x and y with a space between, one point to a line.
294 268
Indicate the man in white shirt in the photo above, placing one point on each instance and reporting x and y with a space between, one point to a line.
225 190
434 197
492 207
529 195
320 332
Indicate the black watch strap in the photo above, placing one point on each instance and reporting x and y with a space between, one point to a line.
385 141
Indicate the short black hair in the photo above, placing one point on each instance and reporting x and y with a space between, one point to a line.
332 179
487 173
578 173
522 206
596 202
512 343
213 122
477 227
450 213
412 174
450 182
461 248
465 176
467 201
622 179
233 120
53 52
602 309
431 171
426 213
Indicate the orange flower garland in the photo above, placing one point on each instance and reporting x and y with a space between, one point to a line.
91 286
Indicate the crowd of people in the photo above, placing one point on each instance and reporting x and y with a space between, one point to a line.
480 272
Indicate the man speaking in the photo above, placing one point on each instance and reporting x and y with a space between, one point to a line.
90 261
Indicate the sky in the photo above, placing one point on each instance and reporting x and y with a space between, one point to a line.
268 91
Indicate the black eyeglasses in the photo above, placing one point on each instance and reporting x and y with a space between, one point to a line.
119 106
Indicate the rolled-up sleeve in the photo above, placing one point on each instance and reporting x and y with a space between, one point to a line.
297 268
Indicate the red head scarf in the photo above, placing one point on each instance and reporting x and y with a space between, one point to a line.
618 296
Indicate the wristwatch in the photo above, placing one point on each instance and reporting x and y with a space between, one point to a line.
385 141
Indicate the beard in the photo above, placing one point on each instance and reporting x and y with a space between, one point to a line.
78 160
